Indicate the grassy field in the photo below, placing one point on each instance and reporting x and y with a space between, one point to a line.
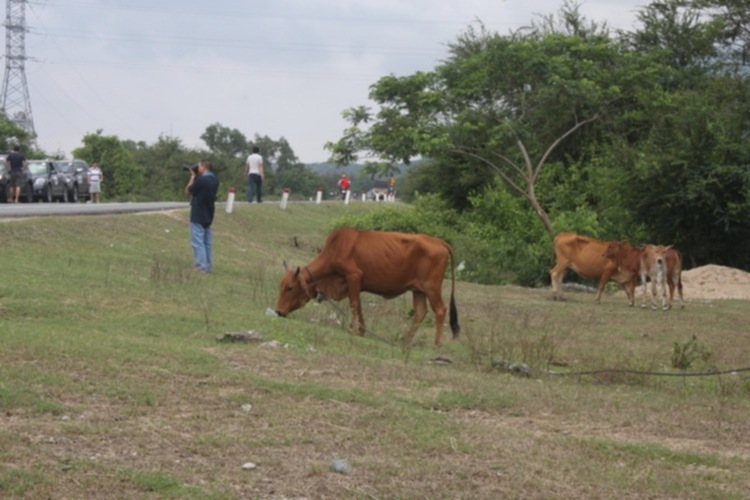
113 383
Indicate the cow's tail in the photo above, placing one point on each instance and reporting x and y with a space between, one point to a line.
455 328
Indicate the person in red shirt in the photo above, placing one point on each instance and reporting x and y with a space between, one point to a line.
344 185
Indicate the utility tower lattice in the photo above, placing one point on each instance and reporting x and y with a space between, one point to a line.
15 103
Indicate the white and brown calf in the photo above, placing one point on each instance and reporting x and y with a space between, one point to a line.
663 265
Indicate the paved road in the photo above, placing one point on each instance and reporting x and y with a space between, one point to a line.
13 210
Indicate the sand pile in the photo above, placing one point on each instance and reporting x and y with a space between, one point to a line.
716 282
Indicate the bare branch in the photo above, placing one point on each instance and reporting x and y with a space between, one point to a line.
575 127
507 178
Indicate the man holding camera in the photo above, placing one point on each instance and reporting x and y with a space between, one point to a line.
202 187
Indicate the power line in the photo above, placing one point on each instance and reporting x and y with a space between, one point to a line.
155 8
242 43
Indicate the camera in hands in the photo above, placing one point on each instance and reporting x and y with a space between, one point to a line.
193 167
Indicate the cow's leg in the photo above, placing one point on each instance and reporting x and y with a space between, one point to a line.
663 285
644 285
670 284
357 324
653 293
438 307
419 301
358 321
670 297
602 282
629 287
354 283
556 276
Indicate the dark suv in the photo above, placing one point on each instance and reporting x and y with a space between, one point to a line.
77 173
52 181
82 175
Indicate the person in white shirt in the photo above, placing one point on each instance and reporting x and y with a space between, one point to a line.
95 182
254 171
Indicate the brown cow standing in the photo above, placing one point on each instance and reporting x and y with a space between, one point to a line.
384 263
585 256
663 264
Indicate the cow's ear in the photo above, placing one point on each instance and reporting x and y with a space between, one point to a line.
296 272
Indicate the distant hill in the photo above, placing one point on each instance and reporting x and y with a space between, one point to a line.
352 170
328 168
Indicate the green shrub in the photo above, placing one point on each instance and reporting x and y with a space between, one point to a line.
430 215
504 241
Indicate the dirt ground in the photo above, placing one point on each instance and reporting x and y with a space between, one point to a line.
716 282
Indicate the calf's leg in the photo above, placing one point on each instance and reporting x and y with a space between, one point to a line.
653 294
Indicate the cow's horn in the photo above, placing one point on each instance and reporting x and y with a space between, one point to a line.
286 266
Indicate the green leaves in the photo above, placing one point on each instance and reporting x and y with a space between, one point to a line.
123 178
642 135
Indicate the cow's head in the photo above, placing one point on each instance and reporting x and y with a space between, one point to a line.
614 249
660 254
294 292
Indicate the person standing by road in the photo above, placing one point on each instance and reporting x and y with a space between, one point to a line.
16 163
255 174
202 187
344 185
95 182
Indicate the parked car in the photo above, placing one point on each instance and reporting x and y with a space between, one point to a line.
51 181
77 172
27 192
82 172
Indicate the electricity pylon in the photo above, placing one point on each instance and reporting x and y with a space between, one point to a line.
14 101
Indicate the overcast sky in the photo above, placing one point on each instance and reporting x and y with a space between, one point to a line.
139 69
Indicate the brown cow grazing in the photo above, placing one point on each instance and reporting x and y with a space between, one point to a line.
384 263
586 257
663 264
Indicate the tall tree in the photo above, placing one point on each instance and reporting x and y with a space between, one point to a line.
508 103
123 177
225 141
291 173
674 34
689 184
732 20
11 134
162 163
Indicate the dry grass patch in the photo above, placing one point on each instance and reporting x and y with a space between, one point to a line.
112 382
